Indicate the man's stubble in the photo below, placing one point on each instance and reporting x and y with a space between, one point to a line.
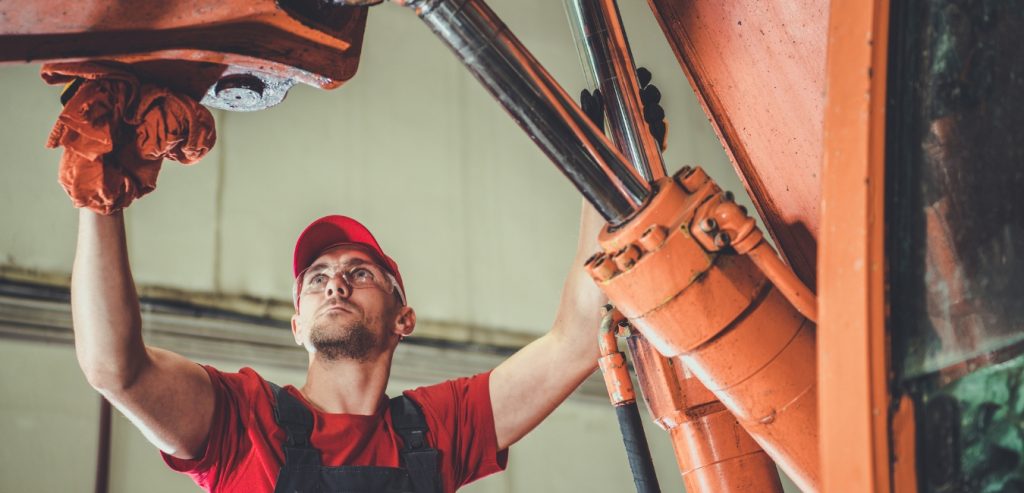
353 340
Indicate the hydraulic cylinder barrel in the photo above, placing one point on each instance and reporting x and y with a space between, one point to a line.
719 315
712 449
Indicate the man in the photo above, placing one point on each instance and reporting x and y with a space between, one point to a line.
338 432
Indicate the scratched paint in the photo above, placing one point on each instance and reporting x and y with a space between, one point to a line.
955 237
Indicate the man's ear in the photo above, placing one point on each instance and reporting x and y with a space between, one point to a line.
295 329
405 322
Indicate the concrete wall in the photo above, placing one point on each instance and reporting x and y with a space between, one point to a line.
413 147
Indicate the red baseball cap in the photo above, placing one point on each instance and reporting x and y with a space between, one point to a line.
329 231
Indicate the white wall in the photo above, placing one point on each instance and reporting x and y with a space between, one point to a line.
413 147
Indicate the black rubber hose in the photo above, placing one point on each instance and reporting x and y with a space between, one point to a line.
638 453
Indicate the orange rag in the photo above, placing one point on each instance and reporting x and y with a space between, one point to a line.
116 132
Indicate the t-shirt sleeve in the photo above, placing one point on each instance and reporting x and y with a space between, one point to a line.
460 417
231 416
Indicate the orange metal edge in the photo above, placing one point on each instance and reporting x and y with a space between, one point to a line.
904 445
264 36
852 343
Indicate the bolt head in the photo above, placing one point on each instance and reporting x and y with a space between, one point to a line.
708 225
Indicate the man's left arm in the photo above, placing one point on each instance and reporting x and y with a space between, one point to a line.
531 383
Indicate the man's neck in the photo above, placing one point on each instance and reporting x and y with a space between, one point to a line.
347 386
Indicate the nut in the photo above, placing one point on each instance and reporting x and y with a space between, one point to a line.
627 257
601 268
653 238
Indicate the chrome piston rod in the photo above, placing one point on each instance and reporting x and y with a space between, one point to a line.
605 54
537 103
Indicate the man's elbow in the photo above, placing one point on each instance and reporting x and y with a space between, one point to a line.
108 378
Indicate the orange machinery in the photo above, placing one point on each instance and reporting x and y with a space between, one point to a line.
721 328
240 56
682 262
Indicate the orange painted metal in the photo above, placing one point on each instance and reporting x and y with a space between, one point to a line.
758 70
717 312
304 40
613 364
796 292
852 345
904 447
712 449
722 223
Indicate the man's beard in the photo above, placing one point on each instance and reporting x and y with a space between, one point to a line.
355 342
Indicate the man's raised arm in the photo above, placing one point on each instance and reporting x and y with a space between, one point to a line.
167 396
529 385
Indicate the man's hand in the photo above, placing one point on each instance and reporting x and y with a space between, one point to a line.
529 385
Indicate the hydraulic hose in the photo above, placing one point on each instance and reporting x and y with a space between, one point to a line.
623 398
638 453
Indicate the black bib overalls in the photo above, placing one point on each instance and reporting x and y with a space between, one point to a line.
304 473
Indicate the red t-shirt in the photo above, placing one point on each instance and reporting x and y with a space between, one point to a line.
244 449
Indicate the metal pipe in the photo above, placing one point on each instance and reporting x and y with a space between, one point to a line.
102 483
537 103
604 51
796 292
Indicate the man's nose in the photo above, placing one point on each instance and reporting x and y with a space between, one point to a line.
337 286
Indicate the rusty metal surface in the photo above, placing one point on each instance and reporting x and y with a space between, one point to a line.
955 227
955 216
758 70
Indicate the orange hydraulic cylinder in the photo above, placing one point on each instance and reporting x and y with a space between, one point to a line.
714 453
691 295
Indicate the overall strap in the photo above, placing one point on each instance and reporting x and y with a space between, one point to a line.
297 422
421 460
